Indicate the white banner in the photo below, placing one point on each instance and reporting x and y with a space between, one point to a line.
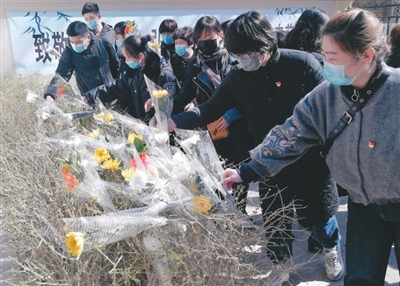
30 30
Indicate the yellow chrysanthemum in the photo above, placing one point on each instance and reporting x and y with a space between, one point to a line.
202 204
111 164
99 116
127 173
75 242
109 117
160 93
132 136
94 134
101 155
154 45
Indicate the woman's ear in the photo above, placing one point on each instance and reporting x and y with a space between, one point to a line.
368 55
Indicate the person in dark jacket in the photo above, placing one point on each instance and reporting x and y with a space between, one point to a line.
91 13
204 74
130 90
305 36
166 28
92 58
121 31
183 39
265 91
394 57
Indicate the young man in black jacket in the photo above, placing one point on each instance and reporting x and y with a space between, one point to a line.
93 59
265 92
91 13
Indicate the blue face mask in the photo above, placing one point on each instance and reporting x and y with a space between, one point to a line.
78 48
335 74
118 43
167 39
133 65
181 50
92 24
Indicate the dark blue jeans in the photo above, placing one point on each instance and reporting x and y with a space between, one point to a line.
371 232
327 232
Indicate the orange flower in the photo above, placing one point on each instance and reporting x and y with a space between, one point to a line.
64 169
70 182
61 90
128 29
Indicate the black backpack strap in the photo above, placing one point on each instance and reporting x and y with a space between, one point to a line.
359 101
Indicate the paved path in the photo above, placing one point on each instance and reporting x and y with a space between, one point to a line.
313 272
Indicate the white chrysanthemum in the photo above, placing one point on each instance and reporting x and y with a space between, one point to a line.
190 142
181 172
161 137
31 97
179 158
138 180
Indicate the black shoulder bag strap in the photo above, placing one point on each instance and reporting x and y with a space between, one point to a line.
359 101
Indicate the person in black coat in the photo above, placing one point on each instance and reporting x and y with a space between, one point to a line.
130 90
394 57
166 28
93 59
203 75
183 39
91 13
265 91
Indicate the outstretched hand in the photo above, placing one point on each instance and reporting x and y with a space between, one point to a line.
148 105
229 177
49 99
171 125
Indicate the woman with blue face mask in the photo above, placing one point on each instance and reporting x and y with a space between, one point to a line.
265 89
183 38
361 94
119 35
130 89
203 75
166 28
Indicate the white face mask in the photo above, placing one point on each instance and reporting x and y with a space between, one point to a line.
250 62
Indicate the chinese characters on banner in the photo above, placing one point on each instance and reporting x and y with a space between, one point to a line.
32 33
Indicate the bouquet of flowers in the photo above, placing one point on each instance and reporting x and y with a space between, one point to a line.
163 104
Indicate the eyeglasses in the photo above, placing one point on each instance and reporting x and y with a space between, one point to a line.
243 56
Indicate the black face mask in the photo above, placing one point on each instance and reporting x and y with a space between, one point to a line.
208 47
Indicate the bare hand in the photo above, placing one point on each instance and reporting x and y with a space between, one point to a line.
171 125
84 99
189 106
222 125
49 99
229 177
148 105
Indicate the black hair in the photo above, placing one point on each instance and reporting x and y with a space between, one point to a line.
251 32
225 25
134 45
90 7
77 28
206 23
119 28
185 33
281 36
395 36
167 26
305 35
357 30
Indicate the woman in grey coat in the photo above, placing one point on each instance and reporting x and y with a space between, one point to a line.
365 157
